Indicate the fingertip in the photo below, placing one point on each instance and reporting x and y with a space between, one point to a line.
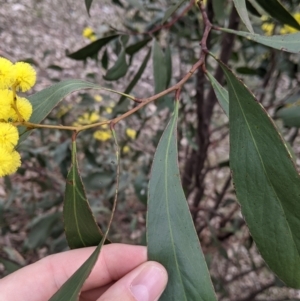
145 283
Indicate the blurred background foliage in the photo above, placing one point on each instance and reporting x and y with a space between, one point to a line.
134 46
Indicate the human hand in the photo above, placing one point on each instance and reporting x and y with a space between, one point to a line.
121 273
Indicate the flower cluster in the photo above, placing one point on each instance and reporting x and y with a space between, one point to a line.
89 33
269 27
13 110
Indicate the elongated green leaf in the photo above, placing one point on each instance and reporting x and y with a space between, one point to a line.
121 106
92 49
290 115
80 226
241 8
278 11
219 7
172 239
170 11
71 289
287 42
119 69
88 4
159 68
132 49
169 66
44 101
137 4
266 181
221 93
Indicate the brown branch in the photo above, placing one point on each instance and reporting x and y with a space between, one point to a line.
205 110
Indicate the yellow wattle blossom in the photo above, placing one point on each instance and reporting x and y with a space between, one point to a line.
98 98
6 97
25 76
131 133
268 28
9 161
126 149
9 136
24 108
87 32
289 29
93 38
102 135
108 110
7 75
87 118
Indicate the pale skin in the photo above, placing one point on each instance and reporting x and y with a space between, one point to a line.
122 272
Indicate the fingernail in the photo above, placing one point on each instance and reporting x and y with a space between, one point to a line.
149 284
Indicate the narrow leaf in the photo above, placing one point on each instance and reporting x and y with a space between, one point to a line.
44 101
92 49
80 226
168 57
119 69
170 11
119 108
71 289
132 49
137 4
221 93
88 4
241 8
290 115
278 12
287 42
159 68
172 239
266 181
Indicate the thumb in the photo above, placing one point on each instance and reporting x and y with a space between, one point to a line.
144 283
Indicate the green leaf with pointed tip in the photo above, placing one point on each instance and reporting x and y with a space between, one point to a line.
290 114
159 68
71 289
287 42
88 4
171 236
91 50
44 101
132 49
278 12
221 93
81 228
121 107
119 69
266 181
169 66
171 10
241 8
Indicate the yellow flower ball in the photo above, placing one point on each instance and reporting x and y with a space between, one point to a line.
98 98
87 32
268 28
6 73
24 107
102 135
6 98
25 76
108 110
126 149
289 29
131 133
9 135
10 161
93 38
